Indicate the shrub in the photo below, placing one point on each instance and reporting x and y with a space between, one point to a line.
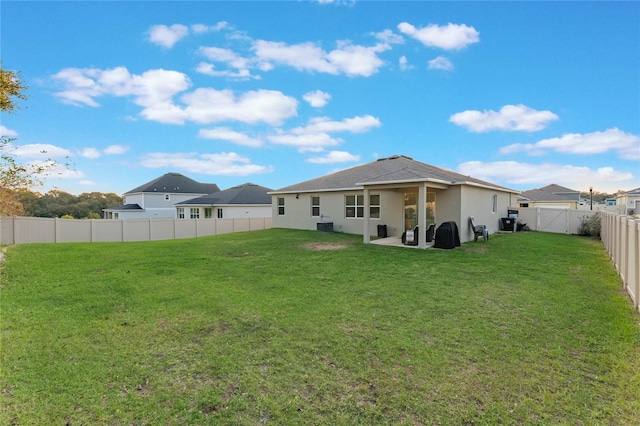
590 226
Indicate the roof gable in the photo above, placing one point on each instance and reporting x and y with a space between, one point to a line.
175 183
397 168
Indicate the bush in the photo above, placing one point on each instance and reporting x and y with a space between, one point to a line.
590 226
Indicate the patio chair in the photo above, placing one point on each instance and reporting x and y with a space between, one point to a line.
430 231
479 230
411 239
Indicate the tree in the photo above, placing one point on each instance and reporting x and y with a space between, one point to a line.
14 176
12 87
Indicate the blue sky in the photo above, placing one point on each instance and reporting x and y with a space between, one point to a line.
522 94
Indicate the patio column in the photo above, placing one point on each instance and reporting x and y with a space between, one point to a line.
365 218
422 216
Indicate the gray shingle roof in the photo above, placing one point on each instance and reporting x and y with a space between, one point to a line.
551 192
128 207
247 193
176 183
396 168
635 191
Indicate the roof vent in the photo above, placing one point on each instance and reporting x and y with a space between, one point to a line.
393 157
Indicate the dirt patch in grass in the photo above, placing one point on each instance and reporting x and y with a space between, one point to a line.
326 246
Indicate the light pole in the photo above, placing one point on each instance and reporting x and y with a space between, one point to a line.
591 198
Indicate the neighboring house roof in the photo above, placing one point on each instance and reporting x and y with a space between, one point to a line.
632 192
128 207
247 193
175 183
394 169
551 193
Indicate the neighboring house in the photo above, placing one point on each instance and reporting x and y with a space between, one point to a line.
243 201
397 192
550 196
156 199
629 202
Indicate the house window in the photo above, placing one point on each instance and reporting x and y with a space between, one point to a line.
315 206
524 204
194 213
374 206
207 213
167 197
280 206
180 213
354 206
116 215
494 203
219 212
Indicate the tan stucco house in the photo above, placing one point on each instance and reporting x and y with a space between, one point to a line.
629 202
397 192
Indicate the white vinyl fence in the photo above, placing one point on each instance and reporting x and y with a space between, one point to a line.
22 230
621 238
564 221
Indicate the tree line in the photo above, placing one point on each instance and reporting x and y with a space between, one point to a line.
56 203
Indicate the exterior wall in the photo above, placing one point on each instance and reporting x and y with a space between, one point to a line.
332 209
298 212
448 205
479 203
228 211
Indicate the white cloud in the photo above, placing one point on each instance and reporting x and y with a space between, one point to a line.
37 151
626 144
202 28
305 142
210 106
404 63
91 153
86 182
315 136
509 118
440 63
533 175
229 135
241 66
165 36
6 132
210 69
154 91
334 157
349 59
448 37
223 164
116 149
358 124
317 99
388 36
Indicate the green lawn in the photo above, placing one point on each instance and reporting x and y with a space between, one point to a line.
265 327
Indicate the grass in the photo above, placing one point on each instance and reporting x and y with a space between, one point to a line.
270 327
